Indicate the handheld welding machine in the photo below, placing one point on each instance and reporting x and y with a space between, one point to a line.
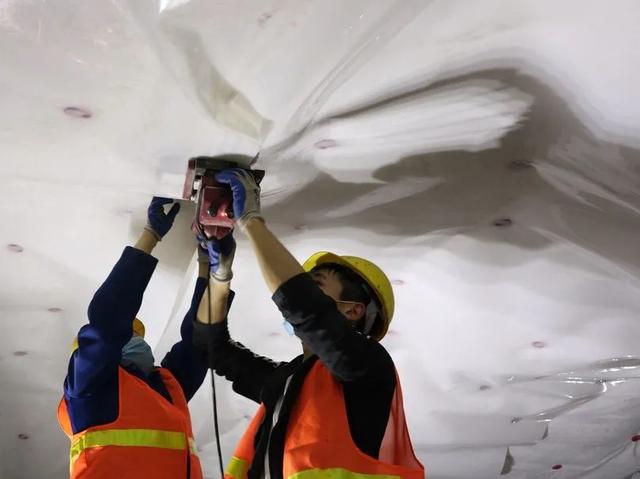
214 208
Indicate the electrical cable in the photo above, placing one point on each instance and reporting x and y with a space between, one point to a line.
210 351
213 382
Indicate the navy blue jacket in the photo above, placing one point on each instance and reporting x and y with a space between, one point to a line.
91 385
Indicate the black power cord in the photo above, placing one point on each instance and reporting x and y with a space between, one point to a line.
210 350
213 383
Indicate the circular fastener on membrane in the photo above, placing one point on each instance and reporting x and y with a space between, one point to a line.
15 248
326 143
520 164
77 112
503 222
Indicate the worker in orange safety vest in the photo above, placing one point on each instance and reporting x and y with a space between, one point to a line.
334 411
125 417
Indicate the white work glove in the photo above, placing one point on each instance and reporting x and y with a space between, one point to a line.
219 254
246 194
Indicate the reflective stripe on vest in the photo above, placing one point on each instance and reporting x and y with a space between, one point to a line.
131 438
337 473
237 468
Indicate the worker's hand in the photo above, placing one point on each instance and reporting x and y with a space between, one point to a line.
246 194
158 222
219 254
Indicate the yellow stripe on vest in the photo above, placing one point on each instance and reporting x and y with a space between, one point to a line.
237 468
130 438
337 473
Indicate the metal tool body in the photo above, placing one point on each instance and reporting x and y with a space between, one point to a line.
214 201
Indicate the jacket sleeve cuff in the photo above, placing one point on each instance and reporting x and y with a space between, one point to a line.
216 334
138 258
300 299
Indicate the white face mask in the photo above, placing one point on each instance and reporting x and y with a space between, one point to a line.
138 353
288 327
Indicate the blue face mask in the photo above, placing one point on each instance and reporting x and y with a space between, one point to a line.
138 353
288 328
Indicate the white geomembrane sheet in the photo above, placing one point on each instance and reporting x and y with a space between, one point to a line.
483 153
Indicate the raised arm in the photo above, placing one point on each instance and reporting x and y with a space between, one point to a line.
113 308
348 354
276 262
246 370
186 361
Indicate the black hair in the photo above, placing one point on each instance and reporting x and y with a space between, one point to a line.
354 288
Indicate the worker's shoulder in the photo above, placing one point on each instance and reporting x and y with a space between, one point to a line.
378 349
379 357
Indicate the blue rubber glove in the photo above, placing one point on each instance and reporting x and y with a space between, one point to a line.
219 254
246 194
158 222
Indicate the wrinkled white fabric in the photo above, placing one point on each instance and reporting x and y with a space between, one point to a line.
484 154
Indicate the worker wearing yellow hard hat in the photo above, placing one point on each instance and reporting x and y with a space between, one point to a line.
338 406
126 417
374 280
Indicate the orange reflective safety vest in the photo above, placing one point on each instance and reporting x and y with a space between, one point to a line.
318 443
150 438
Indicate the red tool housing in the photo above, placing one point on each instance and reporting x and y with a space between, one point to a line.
214 208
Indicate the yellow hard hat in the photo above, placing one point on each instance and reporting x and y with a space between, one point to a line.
373 276
137 325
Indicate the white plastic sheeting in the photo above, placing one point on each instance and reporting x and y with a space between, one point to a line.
483 153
